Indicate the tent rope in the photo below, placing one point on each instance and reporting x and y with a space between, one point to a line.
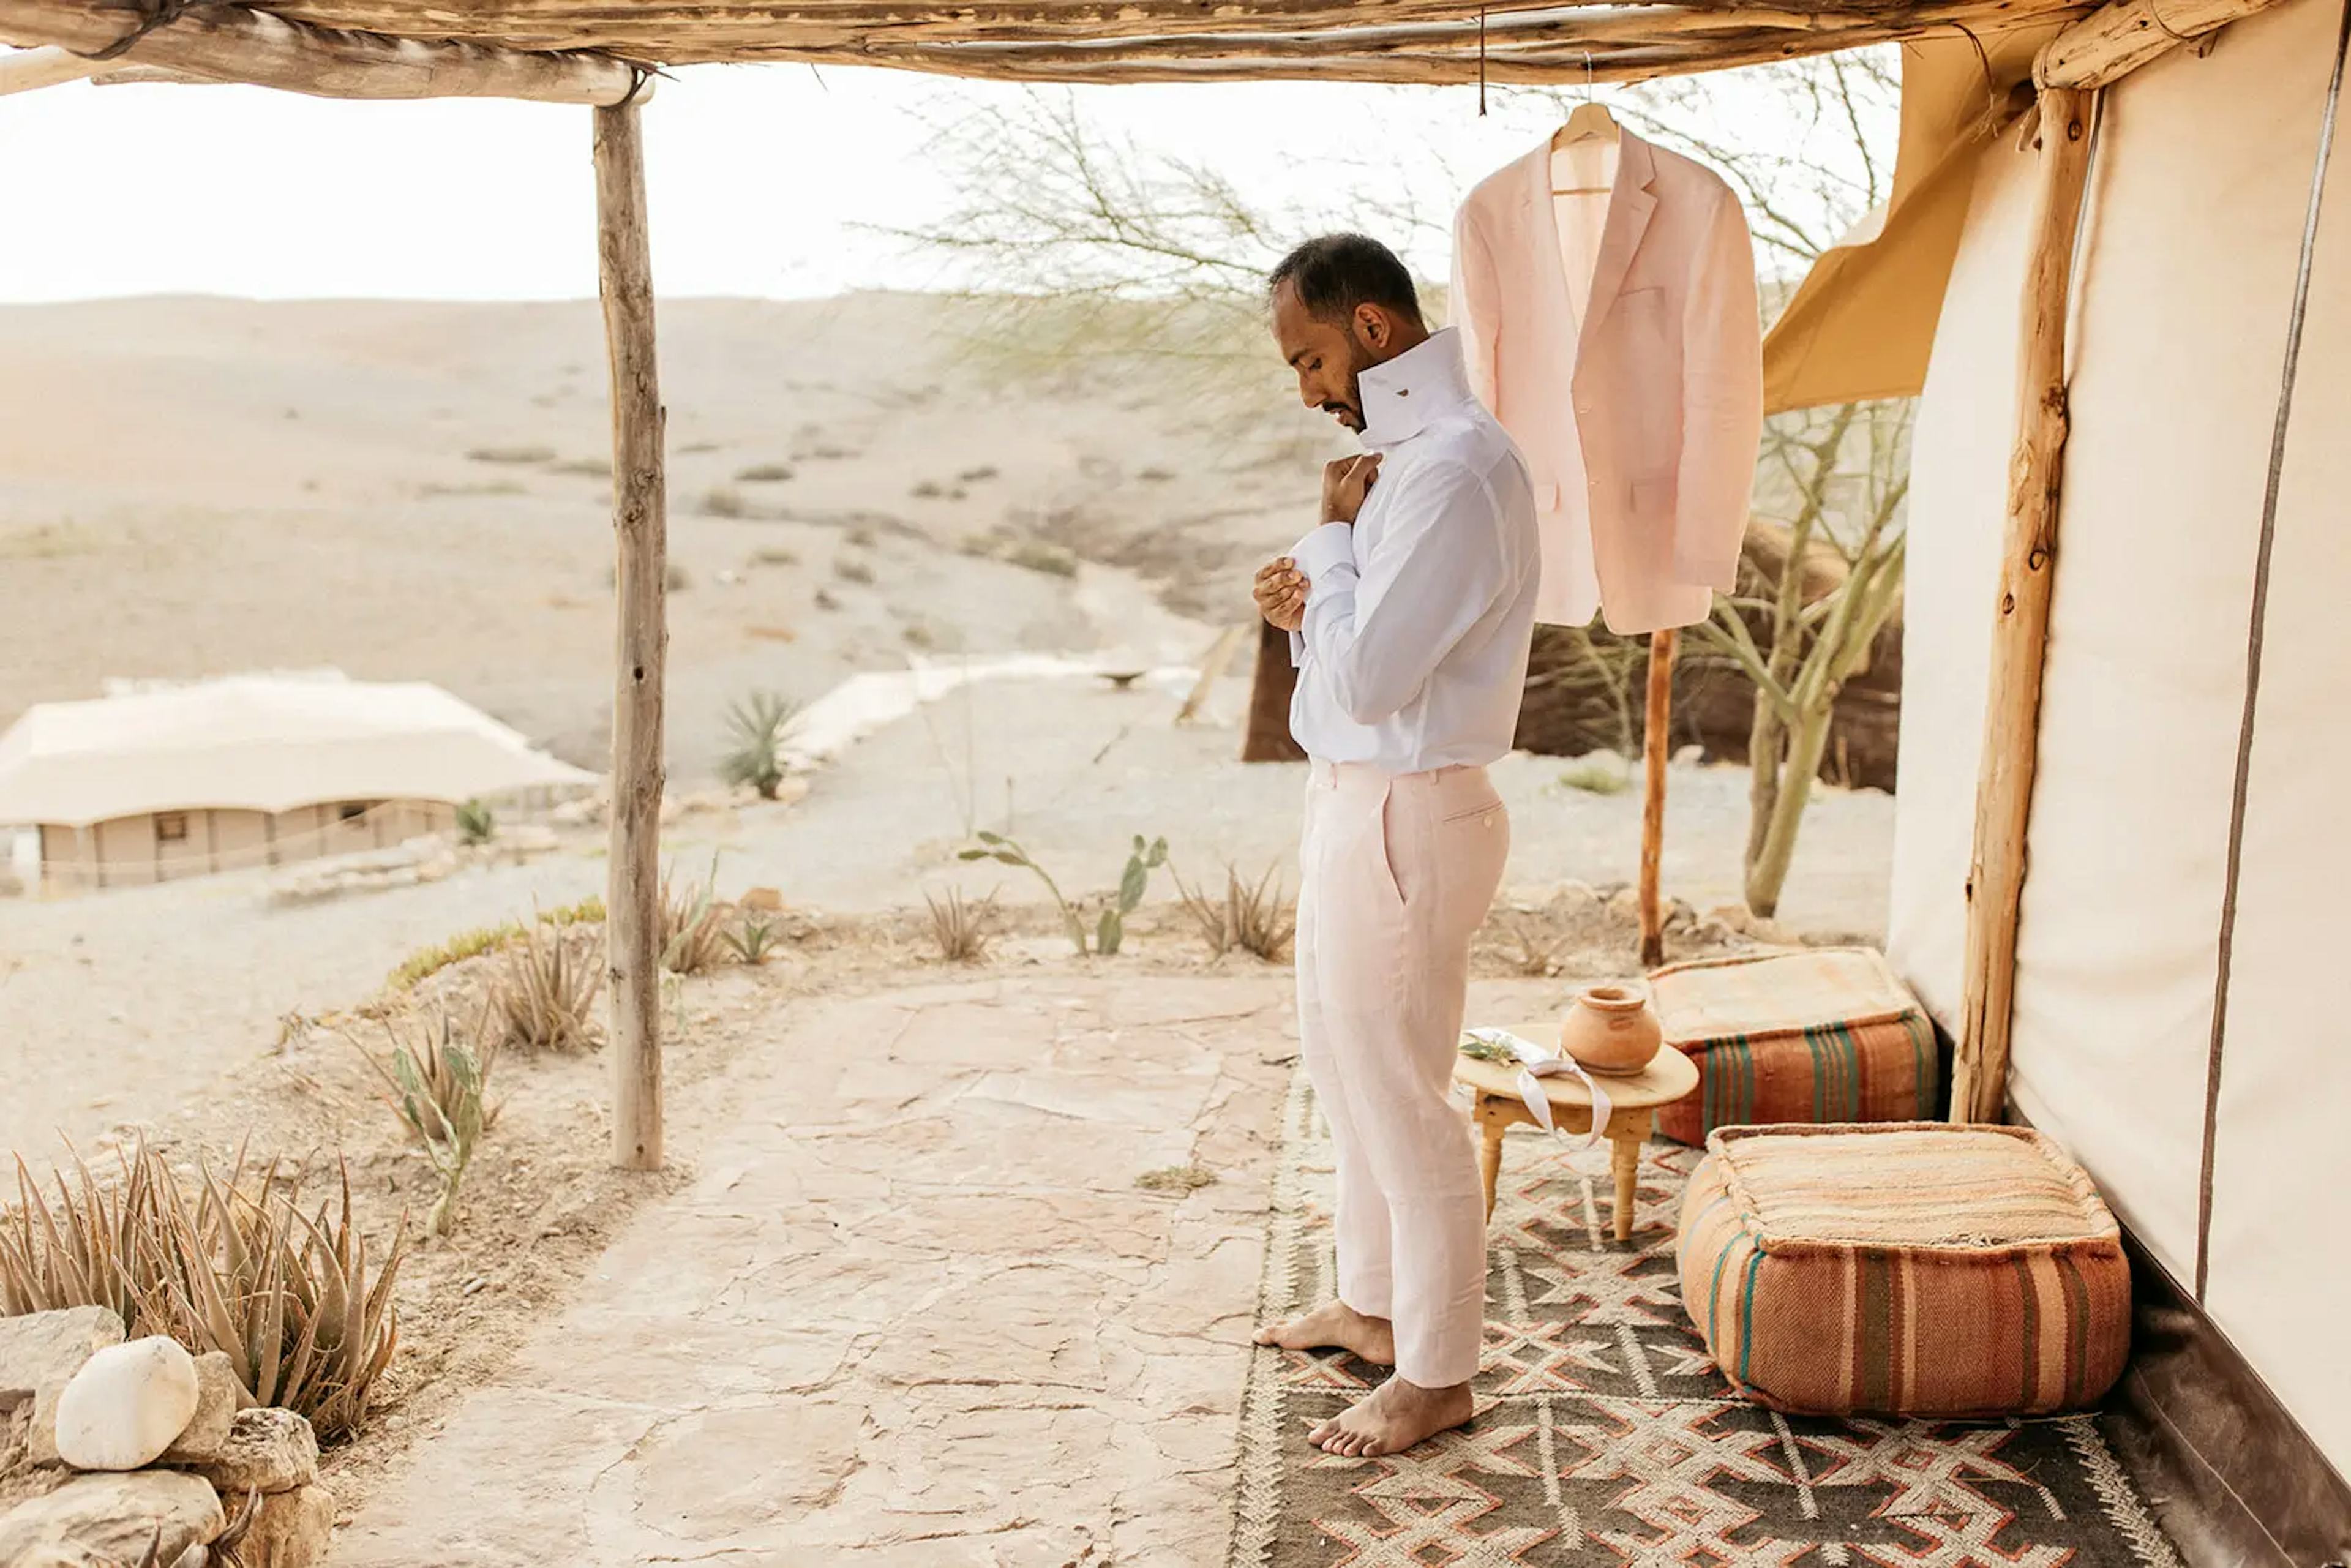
2259 618
152 14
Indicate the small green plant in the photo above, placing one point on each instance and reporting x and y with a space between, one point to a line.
756 726
1037 555
512 455
1596 776
429 961
1178 1179
1004 850
475 823
1132 884
764 473
751 939
441 1091
693 925
961 928
1110 931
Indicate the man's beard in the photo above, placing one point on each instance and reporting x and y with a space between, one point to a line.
1350 412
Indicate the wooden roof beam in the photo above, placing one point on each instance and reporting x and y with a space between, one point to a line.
2120 37
233 43
32 68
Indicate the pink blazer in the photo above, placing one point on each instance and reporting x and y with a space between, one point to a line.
1653 413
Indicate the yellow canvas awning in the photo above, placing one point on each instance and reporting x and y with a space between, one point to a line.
1863 321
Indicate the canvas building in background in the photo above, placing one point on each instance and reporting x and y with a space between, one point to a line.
183 781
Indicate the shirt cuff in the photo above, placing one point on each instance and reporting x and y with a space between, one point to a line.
1324 550
1298 649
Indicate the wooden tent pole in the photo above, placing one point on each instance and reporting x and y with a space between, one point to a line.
2021 626
640 526
1657 751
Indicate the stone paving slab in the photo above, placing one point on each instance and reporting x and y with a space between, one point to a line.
912 1311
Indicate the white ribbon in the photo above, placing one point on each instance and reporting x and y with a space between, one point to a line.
1536 1064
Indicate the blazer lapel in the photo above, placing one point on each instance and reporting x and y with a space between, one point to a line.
1629 206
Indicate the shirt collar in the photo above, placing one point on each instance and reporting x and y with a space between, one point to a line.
1404 396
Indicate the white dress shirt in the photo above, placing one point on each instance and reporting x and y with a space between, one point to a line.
1413 655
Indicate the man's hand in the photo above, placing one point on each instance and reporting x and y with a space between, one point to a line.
1281 594
1344 484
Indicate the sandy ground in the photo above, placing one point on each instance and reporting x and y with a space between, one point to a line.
199 486
411 491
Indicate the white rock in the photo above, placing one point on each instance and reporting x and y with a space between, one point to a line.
125 1405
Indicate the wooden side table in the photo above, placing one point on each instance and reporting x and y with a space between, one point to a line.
1633 1113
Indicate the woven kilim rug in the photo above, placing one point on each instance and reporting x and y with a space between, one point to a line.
1603 1435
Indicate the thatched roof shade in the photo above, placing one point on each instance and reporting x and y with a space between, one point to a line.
1140 40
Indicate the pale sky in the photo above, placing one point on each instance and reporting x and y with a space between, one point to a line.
759 178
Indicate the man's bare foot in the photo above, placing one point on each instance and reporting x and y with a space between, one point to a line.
1335 1323
1392 1419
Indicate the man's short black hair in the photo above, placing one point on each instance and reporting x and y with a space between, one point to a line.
1333 273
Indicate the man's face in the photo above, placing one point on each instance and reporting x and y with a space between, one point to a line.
1329 355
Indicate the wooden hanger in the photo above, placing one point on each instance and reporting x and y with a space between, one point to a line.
1591 121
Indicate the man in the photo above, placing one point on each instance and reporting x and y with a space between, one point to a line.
1410 609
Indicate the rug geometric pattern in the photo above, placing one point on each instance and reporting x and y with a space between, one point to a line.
1604 1435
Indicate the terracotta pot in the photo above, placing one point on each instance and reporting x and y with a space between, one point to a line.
1611 1030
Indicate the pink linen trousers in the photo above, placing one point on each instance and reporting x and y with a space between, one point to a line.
1398 872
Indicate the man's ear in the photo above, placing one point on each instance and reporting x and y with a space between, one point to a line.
1373 327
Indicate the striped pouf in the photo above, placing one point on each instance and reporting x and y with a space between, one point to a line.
1910 1270
1823 1034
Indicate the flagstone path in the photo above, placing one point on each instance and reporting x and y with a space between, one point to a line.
912 1309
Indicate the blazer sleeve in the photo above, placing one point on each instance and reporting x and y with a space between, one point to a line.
1723 420
1476 304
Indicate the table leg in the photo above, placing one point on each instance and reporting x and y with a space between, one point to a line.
1626 1153
1489 1153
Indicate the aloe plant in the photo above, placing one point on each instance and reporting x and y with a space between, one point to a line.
442 1090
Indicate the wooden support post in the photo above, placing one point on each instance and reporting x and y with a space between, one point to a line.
2021 625
1657 751
641 530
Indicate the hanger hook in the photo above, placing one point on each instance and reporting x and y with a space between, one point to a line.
1587 75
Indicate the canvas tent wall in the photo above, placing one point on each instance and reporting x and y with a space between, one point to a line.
2220 1146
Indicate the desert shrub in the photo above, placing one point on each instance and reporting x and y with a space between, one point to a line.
1037 555
756 728
244 1268
512 455
429 961
764 473
543 997
962 929
1255 918
751 938
1596 776
475 823
693 925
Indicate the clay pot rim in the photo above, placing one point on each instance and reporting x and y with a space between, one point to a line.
1615 998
